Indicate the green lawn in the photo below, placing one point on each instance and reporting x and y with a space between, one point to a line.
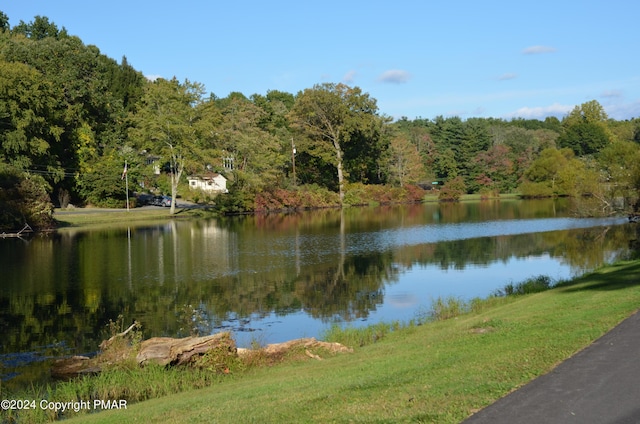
115 217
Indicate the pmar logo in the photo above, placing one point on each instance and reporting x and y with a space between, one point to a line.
109 404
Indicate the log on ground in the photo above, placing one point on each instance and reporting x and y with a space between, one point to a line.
170 351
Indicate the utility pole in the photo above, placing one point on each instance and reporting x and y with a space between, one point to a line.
293 160
125 177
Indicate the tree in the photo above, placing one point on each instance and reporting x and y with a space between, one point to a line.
584 138
619 163
277 105
101 185
39 29
585 129
82 108
254 151
636 131
28 127
4 22
452 190
333 115
445 166
23 200
559 173
169 124
496 169
590 111
404 163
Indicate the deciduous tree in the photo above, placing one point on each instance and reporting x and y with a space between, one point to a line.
585 129
169 124
331 116
28 125
404 162
254 151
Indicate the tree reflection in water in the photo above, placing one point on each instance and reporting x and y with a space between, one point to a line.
246 272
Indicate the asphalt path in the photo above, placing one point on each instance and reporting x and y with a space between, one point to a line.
598 385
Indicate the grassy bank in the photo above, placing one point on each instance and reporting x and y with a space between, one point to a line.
109 217
431 197
436 372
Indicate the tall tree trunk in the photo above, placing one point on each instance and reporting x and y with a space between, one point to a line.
338 149
340 176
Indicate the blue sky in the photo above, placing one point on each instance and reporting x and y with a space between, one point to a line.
489 58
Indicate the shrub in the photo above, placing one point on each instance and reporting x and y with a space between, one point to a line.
452 190
377 194
351 336
529 286
450 307
24 200
530 189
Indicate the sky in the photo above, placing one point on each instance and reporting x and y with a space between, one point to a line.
417 58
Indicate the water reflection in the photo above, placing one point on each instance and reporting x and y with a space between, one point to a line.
278 277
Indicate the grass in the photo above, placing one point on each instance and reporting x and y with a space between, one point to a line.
110 217
439 371
431 197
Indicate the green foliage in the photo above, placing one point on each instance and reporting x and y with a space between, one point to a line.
4 22
447 308
245 137
173 122
28 127
239 199
24 200
404 163
452 190
364 336
39 29
585 129
221 359
338 125
591 112
619 162
532 285
532 190
68 105
102 184
584 138
559 173
121 344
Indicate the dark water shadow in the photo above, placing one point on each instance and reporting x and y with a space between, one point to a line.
615 277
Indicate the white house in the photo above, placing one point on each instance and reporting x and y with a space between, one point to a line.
210 183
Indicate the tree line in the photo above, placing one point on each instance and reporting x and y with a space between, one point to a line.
70 117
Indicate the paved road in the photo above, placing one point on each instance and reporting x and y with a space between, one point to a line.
599 385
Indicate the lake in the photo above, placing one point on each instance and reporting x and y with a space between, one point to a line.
271 278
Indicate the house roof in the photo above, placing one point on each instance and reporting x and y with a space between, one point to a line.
208 176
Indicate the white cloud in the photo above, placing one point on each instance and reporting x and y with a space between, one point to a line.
541 112
153 77
539 49
507 76
349 77
611 94
395 76
624 110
